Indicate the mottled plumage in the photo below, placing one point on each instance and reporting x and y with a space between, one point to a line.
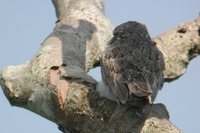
132 66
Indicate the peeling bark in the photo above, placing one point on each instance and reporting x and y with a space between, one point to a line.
55 84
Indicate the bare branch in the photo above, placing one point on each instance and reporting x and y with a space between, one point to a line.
55 84
179 46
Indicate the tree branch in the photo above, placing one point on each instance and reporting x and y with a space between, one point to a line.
55 84
179 45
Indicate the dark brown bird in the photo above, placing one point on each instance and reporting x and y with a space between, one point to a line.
132 66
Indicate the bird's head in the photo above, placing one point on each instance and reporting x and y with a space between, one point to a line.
132 28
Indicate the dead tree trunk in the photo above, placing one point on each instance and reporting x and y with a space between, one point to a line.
55 84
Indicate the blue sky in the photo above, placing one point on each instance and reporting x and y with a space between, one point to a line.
25 24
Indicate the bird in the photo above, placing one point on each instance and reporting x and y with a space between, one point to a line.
132 66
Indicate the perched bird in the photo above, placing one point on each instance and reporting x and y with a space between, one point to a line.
132 66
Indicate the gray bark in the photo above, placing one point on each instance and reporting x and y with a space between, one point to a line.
55 84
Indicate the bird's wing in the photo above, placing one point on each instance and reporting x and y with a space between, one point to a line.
136 82
120 72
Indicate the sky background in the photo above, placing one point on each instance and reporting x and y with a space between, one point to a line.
26 23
